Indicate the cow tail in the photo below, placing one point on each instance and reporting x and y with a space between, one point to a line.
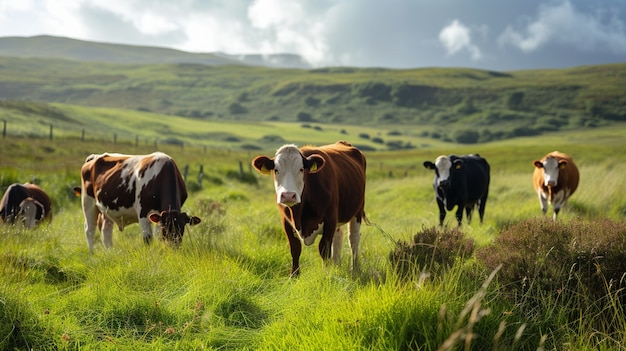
380 229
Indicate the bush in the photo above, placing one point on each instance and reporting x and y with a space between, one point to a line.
304 117
236 108
466 136
433 249
585 258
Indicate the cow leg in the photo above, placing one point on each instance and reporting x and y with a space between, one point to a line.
325 246
442 212
354 227
468 213
91 220
146 230
107 232
543 202
459 214
337 245
296 248
481 206
558 202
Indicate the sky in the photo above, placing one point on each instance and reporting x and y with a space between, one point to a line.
484 34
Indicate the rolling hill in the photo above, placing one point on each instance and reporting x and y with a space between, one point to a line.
45 46
448 104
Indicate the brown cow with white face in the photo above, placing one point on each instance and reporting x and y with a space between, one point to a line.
26 203
124 189
318 189
555 179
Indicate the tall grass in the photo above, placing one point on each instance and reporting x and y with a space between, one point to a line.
227 287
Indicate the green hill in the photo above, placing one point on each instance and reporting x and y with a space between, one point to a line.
449 104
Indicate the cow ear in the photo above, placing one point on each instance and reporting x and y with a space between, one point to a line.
314 163
155 218
562 164
429 165
193 220
263 164
458 164
538 164
77 191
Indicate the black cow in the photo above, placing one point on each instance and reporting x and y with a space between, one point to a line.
461 181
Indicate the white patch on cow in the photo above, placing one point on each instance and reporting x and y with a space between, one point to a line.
309 240
550 171
288 175
443 165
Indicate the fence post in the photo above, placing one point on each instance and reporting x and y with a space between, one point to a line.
240 170
200 175
114 138
185 172
50 131
4 128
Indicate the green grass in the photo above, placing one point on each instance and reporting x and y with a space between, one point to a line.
227 287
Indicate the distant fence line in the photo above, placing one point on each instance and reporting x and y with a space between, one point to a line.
179 143
95 137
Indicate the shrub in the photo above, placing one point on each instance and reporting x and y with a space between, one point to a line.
236 108
466 136
304 117
585 258
312 102
432 249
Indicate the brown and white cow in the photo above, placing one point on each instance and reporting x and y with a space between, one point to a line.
124 189
26 203
318 189
555 179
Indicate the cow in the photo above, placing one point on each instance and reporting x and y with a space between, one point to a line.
124 189
318 189
26 203
555 179
461 181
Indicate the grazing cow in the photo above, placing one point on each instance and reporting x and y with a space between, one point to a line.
124 189
26 203
555 179
318 189
461 181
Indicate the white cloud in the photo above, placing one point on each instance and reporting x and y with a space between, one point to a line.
456 37
564 24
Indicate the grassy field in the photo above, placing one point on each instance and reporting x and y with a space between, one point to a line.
227 287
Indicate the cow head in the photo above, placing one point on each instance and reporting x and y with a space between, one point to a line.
31 211
444 169
288 166
171 225
550 167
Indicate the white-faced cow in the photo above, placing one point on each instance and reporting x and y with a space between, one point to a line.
124 189
555 179
461 181
318 189
25 203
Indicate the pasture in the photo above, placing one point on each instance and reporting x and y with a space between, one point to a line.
227 287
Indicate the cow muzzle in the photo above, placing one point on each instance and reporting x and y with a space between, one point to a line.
288 198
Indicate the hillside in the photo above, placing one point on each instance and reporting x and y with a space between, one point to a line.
45 46
450 104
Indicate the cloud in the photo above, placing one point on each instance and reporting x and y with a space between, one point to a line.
456 38
566 25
